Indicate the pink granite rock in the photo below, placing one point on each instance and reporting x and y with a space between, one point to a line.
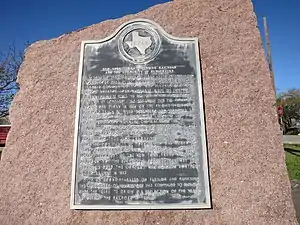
249 179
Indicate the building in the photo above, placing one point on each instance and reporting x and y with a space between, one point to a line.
4 129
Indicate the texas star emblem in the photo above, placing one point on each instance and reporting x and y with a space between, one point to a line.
141 43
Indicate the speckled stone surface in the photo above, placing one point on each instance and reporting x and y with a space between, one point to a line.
249 181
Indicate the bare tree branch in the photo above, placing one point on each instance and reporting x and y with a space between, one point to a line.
10 63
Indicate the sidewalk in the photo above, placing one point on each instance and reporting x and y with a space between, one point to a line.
291 139
296 197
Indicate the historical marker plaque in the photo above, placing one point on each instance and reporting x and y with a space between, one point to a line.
139 131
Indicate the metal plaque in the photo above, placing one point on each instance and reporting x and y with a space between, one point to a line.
140 139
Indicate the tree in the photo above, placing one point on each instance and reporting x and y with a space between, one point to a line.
290 101
9 66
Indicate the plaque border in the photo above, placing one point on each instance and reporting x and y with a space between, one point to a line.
203 136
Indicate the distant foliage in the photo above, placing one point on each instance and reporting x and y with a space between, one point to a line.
4 120
290 101
10 62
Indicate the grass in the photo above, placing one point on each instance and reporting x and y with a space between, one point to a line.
293 162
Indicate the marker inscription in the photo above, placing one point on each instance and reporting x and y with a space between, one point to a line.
140 137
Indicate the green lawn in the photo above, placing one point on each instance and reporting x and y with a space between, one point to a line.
293 162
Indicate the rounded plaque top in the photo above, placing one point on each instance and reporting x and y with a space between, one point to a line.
139 43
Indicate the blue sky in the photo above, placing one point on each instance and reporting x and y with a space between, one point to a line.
32 20
283 21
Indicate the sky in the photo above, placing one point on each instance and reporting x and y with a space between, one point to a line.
283 17
31 20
